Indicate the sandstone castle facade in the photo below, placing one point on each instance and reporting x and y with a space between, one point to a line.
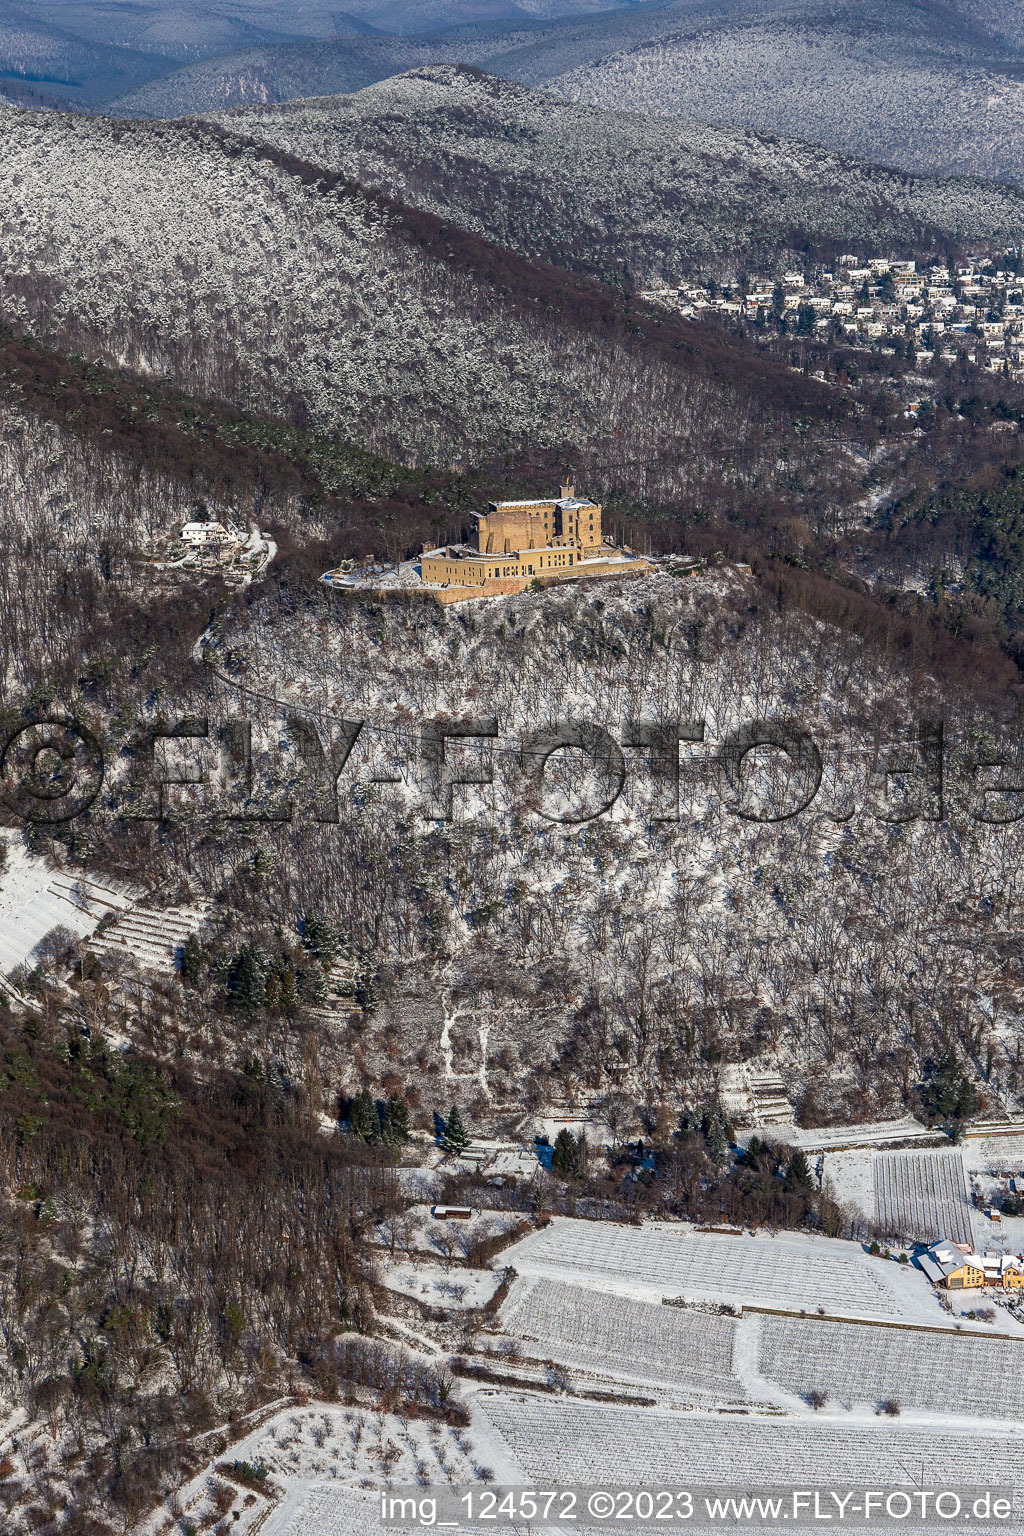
522 542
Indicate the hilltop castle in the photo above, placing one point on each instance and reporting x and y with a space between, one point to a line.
520 542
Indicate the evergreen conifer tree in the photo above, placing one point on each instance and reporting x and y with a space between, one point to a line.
716 1135
322 937
456 1137
396 1121
363 1119
247 978
193 960
563 1157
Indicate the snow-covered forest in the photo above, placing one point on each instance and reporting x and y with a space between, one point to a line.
602 190
176 250
384 878
848 945
922 88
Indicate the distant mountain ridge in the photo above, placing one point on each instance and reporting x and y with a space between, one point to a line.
620 195
912 84
193 252
526 47
927 88
87 53
288 71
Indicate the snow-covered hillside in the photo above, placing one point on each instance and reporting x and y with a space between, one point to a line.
593 189
922 88
174 251
527 958
181 250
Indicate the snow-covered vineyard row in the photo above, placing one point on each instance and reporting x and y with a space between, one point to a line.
696 1358
785 1272
689 1351
325 1464
636 1449
836 1138
554 1442
323 1509
923 1196
151 938
973 1377
575 1442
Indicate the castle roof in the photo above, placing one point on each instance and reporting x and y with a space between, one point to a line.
567 503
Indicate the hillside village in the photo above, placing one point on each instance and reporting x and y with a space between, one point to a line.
973 309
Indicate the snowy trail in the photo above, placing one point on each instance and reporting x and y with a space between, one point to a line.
445 1042
746 1364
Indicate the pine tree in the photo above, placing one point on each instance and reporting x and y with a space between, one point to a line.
363 1120
193 960
716 1135
322 937
563 1158
289 996
396 1121
950 1096
247 978
456 1138
690 1122
798 1173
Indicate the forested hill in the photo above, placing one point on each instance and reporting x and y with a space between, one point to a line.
600 191
923 87
187 250
927 88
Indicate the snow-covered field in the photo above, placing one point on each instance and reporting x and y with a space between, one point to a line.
575 1442
35 898
923 1196
857 1365
455 1286
788 1273
642 1341
324 1509
850 1176
831 1138
323 1464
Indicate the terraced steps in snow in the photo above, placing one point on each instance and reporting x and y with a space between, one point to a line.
151 937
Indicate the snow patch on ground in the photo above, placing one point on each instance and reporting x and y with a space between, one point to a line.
460 1288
